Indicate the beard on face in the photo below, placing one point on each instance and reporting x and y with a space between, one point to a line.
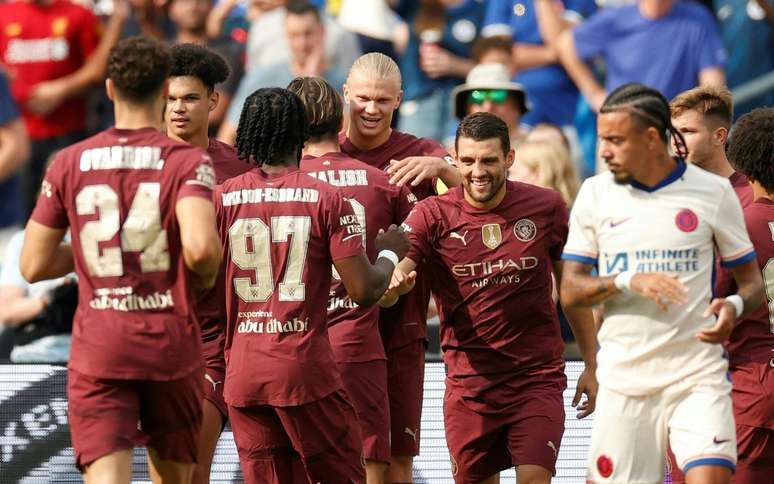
496 183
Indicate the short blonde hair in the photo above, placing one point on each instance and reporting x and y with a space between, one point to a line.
377 65
709 101
554 164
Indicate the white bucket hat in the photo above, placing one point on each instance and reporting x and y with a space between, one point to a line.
487 76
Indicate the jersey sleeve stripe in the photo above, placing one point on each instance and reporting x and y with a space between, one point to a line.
713 461
738 260
579 258
493 30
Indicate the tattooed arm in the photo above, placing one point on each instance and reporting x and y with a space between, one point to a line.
580 288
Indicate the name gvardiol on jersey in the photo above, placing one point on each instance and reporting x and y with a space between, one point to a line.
122 157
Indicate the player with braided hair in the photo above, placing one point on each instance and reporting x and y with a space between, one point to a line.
259 139
651 226
282 230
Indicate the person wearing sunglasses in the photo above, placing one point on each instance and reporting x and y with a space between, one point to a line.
488 88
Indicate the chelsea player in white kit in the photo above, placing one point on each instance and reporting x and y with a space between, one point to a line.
652 226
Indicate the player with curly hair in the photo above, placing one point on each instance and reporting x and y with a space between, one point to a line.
751 344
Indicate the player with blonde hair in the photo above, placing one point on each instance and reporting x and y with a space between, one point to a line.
546 165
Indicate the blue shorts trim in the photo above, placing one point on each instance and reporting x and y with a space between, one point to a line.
709 461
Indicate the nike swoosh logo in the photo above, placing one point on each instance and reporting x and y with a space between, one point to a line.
351 237
616 223
715 440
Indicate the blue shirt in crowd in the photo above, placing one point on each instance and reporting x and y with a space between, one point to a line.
750 44
462 24
10 196
667 53
278 75
553 95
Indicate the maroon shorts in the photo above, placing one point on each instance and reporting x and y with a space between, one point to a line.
482 444
110 415
213 389
756 455
366 385
405 384
323 436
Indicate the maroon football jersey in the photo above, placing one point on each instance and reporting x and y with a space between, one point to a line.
354 331
751 345
210 305
491 274
226 161
753 336
724 279
407 320
281 234
742 188
117 192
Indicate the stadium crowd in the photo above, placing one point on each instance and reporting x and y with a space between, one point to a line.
195 168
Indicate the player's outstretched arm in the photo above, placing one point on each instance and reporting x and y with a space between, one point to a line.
403 279
199 238
366 283
748 298
44 256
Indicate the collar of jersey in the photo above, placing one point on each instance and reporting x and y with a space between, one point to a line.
672 177
274 176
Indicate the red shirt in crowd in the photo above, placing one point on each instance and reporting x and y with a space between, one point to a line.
43 41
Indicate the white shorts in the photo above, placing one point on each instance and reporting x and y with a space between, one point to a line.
629 436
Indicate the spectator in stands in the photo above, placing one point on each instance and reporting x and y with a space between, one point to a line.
547 165
305 31
549 133
552 93
494 50
43 41
374 24
190 19
14 151
436 60
267 43
747 27
31 315
489 88
670 45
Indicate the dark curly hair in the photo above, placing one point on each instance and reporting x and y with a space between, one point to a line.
272 125
483 126
324 109
200 62
138 67
751 149
649 108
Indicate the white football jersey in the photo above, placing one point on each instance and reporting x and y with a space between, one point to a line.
671 228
